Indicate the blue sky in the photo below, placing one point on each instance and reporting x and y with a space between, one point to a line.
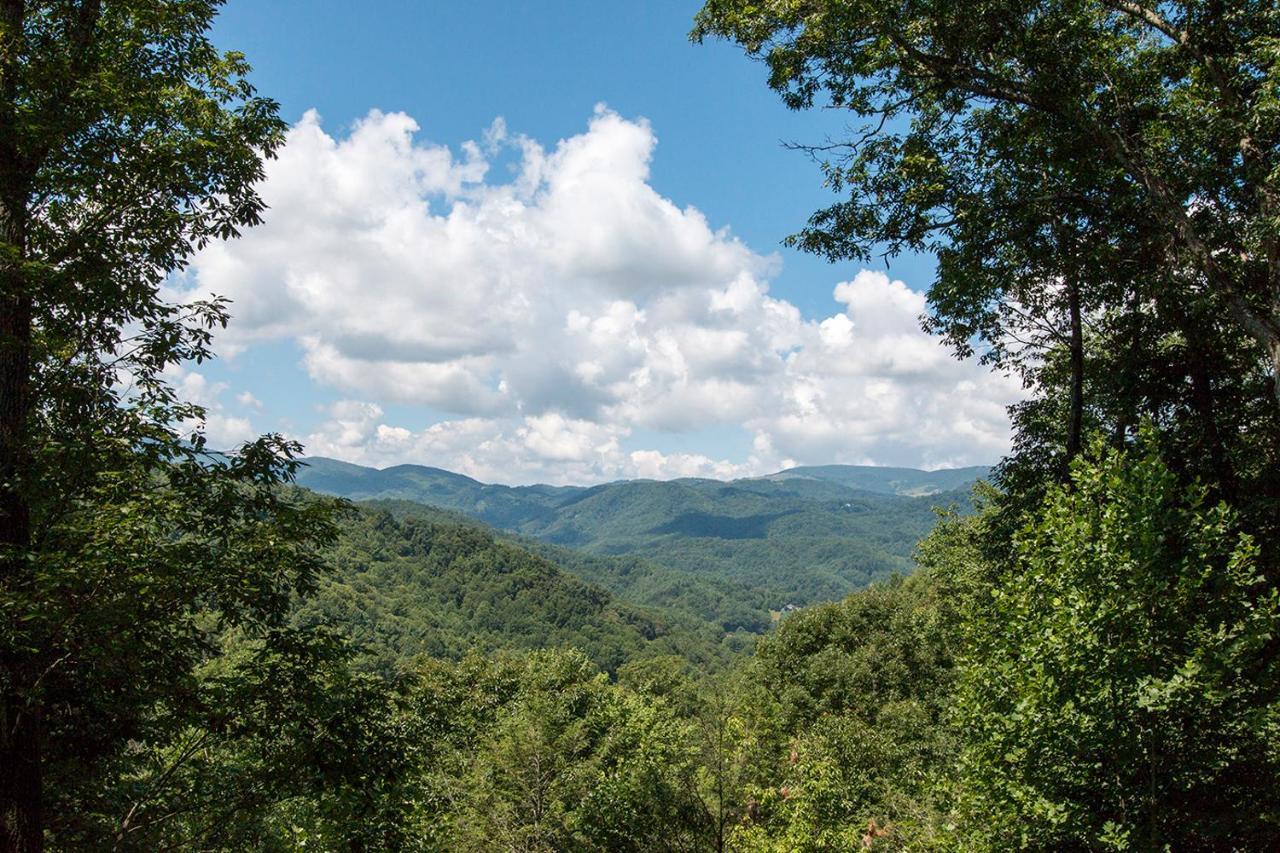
592 288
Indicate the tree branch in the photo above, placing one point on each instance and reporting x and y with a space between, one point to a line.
1153 18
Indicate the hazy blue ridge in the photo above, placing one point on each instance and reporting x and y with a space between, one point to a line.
896 481
796 537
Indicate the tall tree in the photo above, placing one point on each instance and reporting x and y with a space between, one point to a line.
1178 100
127 141
1119 688
1098 181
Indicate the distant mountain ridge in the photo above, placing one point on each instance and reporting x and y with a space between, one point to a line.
798 536
906 482
909 482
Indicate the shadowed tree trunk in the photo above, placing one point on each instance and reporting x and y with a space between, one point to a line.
1075 416
24 144
20 795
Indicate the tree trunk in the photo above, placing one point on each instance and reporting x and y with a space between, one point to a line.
1199 356
1274 346
1206 409
21 822
21 827
1075 416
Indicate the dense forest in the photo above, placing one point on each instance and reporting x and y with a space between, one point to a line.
793 538
434 587
198 654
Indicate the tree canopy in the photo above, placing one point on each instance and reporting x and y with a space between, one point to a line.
127 141
1007 137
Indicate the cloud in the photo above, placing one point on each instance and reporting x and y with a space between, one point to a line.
247 400
546 448
225 431
553 314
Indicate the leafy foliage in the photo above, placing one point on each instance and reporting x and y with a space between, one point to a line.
569 761
278 745
1066 152
197 656
1120 685
433 587
1099 183
861 694
127 141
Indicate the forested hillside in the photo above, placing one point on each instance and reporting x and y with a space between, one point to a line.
732 604
428 586
798 537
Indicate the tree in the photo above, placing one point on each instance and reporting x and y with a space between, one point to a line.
1119 687
1173 105
541 752
1099 182
127 141
280 744
863 688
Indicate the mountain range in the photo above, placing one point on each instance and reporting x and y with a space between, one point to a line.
799 536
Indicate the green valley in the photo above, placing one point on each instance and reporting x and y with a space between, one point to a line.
797 537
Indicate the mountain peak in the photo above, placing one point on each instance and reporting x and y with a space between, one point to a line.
908 482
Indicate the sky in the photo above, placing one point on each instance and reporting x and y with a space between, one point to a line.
542 242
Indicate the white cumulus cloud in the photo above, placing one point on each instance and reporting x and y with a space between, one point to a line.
223 429
552 313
